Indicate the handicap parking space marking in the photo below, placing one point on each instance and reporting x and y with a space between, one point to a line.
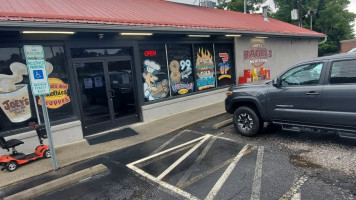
196 162
158 179
212 170
184 182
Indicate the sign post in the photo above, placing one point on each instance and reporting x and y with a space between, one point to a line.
40 86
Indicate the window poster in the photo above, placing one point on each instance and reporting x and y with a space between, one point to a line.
204 66
224 64
154 72
180 69
17 104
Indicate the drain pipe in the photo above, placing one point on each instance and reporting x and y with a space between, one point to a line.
325 39
244 6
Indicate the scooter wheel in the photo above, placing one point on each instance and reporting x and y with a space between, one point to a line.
47 154
11 166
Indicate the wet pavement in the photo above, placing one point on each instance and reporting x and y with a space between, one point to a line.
201 163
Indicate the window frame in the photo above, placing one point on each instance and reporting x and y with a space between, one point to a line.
330 70
304 64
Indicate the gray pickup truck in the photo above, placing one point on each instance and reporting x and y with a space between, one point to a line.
315 95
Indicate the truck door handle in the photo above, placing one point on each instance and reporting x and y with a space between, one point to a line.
312 93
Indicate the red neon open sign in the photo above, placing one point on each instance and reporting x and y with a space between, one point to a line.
150 53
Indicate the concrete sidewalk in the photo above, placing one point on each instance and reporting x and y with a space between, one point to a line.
82 150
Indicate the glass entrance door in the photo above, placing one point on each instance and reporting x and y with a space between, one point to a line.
122 89
106 94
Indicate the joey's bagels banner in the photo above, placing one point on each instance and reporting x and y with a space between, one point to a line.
59 94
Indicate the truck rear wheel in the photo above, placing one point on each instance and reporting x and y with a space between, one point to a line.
246 121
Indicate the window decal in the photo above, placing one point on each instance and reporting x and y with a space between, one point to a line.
59 94
177 77
152 89
205 69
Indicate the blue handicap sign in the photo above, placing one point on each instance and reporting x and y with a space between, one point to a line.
38 74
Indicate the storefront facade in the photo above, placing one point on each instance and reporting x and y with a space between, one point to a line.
101 79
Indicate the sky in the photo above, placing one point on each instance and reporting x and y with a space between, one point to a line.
351 8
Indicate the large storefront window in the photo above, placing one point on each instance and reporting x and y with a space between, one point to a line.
188 71
154 72
87 52
16 100
225 68
204 66
180 69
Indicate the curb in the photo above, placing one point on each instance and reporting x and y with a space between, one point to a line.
58 183
222 124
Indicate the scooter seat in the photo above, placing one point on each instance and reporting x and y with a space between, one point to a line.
10 143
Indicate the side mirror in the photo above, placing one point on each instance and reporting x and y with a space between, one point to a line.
276 82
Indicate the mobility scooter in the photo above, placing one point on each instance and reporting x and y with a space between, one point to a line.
12 161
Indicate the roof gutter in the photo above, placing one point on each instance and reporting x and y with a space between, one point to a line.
95 27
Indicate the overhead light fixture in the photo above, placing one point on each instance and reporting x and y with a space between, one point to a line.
48 32
139 34
261 37
199 36
233 35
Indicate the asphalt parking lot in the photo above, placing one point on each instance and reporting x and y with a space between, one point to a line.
199 162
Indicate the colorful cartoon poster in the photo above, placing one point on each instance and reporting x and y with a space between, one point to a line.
225 64
205 69
154 72
153 89
257 56
180 68
59 94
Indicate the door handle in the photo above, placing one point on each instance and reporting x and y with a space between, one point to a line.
312 93
112 93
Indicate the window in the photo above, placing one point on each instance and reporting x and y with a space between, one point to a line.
154 72
225 68
303 75
181 70
86 53
172 70
16 100
204 66
343 72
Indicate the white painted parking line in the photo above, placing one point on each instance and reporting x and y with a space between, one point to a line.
168 150
162 183
226 174
168 142
294 192
170 168
196 162
256 185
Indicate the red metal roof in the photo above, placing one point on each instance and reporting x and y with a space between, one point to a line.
151 13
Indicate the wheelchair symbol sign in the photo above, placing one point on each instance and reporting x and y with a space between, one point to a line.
38 74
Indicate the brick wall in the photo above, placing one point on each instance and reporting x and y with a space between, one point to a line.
347 45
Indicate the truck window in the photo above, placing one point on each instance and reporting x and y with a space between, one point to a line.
343 72
303 75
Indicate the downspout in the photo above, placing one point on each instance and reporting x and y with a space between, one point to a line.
325 39
244 6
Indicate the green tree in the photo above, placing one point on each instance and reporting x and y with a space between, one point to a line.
332 19
238 5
